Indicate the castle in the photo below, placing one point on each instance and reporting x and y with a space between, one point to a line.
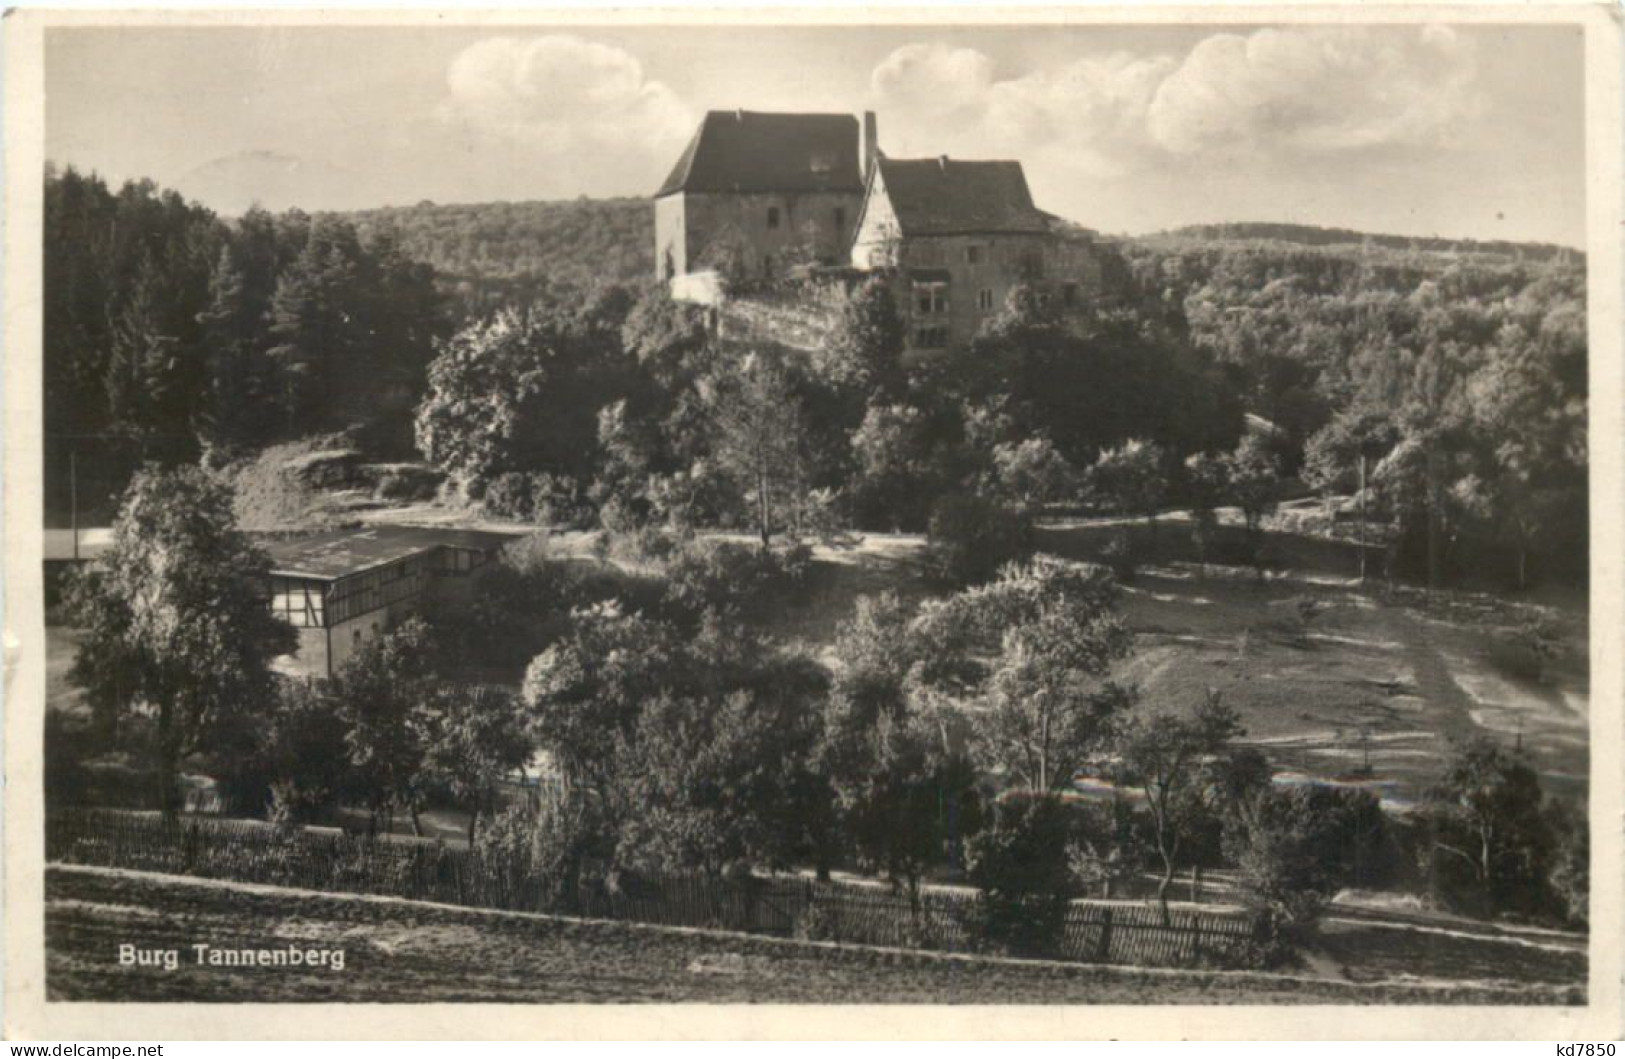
756 195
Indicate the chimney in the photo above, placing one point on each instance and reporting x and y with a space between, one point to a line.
871 141
942 162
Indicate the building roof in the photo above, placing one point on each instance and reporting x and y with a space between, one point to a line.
944 196
742 150
340 553
93 542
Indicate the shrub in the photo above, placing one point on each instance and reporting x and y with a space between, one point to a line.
1021 867
1524 652
644 544
551 849
510 495
1121 555
287 810
971 537
722 576
407 482
516 607
67 744
1569 877
281 487
1296 848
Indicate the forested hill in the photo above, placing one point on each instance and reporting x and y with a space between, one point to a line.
494 253
1311 235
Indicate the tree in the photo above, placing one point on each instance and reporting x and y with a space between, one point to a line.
546 848
864 351
518 392
1295 848
1353 441
584 694
175 618
317 332
295 753
722 780
1533 449
1569 877
1254 475
1021 867
1103 848
1048 705
155 378
762 440
1093 377
1207 481
904 463
1486 815
475 738
904 794
1032 472
970 537
1419 471
1165 755
385 695
229 330
1132 479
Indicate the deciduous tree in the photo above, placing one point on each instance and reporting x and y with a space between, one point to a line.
1165 756
175 618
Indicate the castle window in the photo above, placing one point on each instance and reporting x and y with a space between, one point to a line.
840 218
984 299
973 255
1069 294
772 216
930 337
931 298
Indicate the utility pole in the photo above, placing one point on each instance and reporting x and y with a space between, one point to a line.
1362 517
73 499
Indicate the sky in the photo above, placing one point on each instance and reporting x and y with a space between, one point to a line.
1459 131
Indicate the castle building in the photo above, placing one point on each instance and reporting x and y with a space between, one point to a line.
961 235
754 193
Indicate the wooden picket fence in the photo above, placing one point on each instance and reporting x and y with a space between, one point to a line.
941 920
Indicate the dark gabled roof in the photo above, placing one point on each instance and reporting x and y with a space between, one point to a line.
739 150
340 553
944 196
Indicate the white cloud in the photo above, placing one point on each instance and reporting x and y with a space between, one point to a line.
562 91
1317 91
1297 91
932 80
1091 111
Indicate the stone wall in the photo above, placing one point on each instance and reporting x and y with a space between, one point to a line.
812 225
981 272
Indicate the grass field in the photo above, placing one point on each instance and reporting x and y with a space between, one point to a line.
399 951
1369 692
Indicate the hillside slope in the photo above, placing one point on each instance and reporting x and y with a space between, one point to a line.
1311 235
519 252
495 252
